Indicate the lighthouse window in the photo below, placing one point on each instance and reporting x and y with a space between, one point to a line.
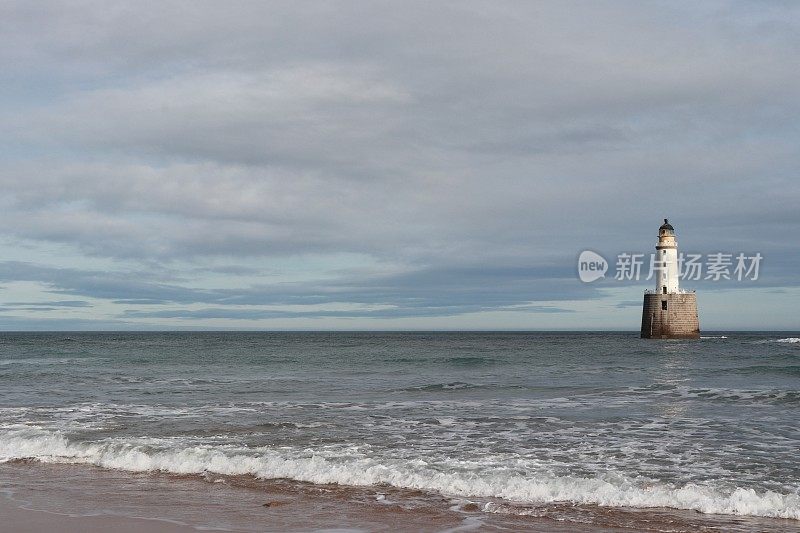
665 289
663 305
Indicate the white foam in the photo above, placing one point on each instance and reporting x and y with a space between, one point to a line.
789 339
746 395
355 466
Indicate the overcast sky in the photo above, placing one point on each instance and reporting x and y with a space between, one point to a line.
390 165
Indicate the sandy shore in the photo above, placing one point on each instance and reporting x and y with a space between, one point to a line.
19 520
45 498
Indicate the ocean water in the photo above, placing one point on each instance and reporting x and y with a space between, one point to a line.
568 427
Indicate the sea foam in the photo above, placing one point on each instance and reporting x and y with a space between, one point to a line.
360 469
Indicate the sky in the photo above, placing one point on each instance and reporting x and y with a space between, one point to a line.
391 165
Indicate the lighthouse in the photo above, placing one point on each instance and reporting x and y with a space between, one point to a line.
669 312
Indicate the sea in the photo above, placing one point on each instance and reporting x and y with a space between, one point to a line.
416 431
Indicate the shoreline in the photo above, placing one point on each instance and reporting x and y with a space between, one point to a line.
42 497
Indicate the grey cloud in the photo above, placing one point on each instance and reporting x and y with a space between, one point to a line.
36 309
259 314
433 139
18 323
423 292
98 284
192 211
54 303
419 293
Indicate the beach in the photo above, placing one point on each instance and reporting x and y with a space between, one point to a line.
62 498
32 521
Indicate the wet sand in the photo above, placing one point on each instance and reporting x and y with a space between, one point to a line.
20 520
69 498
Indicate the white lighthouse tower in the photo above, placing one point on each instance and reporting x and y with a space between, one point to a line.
667 260
669 312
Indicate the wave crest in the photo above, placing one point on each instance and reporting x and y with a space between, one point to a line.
357 468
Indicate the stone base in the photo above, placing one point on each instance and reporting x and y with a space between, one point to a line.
670 316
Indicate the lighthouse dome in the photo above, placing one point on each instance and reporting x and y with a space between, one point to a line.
666 226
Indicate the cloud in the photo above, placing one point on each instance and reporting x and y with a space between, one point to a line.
466 152
262 314
99 284
25 323
39 307
442 292
54 303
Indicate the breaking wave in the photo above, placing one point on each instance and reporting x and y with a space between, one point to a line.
356 468
787 340
773 396
450 386
471 360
